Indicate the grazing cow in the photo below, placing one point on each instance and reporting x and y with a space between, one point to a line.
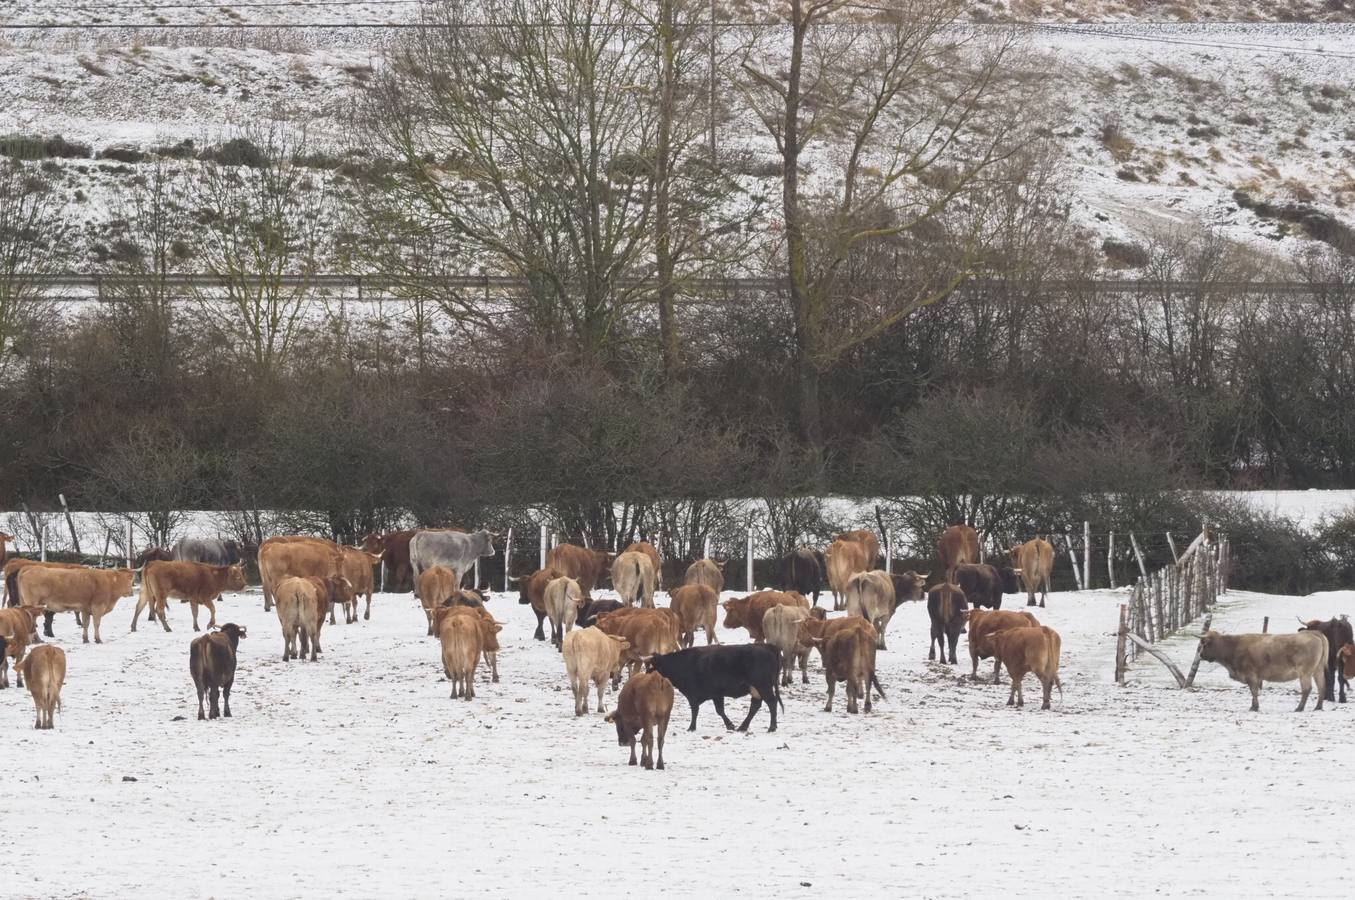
1338 634
645 704
296 557
958 544
563 599
394 549
1034 560
532 589
695 607
18 628
301 605
849 655
781 624
435 588
983 624
587 567
634 579
707 572
211 660
592 655
647 631
985 584
870 544
946 605
90 593
463 635
456 550
151 554
45 671
870 595
197 584
357 568
652 553
1029 649
594 608
724 670
747 612
1254 659
845 559
802 570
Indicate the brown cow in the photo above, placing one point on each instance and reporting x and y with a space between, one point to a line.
707 572
436 586
1032 649
652 552
983 624
301 606
587 567
592 655
747 612
91 593
18 628
296 557
5 539
1034 560
11 571
1347 658
647 632
394 549
634 578
695 607
645 704
870 595
489 630
870 544
45 671
197 584
463 634
845 559
532 589
849 655
211 660
946 606
357 568
958 544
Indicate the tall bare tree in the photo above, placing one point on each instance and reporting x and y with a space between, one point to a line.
31 225
881 128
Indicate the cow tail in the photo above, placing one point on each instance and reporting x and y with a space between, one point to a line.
776 688
876 681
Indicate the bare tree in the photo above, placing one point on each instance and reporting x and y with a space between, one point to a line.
262 241
893 125
31 226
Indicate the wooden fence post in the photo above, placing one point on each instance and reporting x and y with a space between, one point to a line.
1110 560
70 523
1265 625
1138 554
1171 542
1199 648
1072 556
1121 663
706 548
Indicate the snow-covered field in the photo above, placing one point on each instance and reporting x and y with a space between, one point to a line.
358 776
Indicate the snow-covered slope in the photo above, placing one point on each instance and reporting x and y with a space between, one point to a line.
357 776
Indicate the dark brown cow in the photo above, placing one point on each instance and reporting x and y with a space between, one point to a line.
1338 634
958 544
984 584
1347 657
211 660
532 589
394 549
947 607
747 612
803 571
195 583
151 554
644 705
588 567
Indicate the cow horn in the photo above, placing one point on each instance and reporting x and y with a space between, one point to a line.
1301 622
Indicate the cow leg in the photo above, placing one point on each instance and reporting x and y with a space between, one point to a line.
973 660
201 716
161 608
1344 682
752 711
997 670
804 667
85 631
367 613
1305 687
832 689
663 730
851 696
1321 688
631 742
493 666
140 605
226 696
602 689
1048 685
211 613
1255 686
647 747
954 640
931 646
695 708
720 709
47 618
540 634
1011 694
214 702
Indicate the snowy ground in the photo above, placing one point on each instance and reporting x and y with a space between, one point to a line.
357 776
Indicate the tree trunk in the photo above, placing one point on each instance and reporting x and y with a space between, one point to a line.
663 253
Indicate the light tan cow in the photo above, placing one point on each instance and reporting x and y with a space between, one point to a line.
781 625
45 671
707 572
652 553
870 595
463 641
634 578
983 624
489 628
563 599
301 607
1033 649
695 606
1034 560
870 544
18 629
1254 659
296 557
592 655
845 559
90 593
436 585
357 567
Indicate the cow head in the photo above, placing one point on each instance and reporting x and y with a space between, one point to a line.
1209 646
909 586
234 633
736 612
1312 625
811 629
374 543
1347 657
1007 575
123 581
235 577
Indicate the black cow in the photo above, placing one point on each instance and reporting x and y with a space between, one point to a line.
724 670
984 585
947 606
596 608
1338 633
211 659
802 571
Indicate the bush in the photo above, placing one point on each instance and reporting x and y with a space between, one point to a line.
18 146
236 152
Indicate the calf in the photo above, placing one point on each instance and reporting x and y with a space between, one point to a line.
211 660
782 627
45 671
983 624
984 584
946 605
747 612
197 584
695 607
645 704
594 608
436 586
563 598
724 670
1254 659
1338 634
592 655
1032 649
849 655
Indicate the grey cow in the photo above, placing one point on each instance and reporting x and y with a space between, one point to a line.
455 549
212 551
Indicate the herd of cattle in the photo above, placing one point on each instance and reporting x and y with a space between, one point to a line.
307 578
